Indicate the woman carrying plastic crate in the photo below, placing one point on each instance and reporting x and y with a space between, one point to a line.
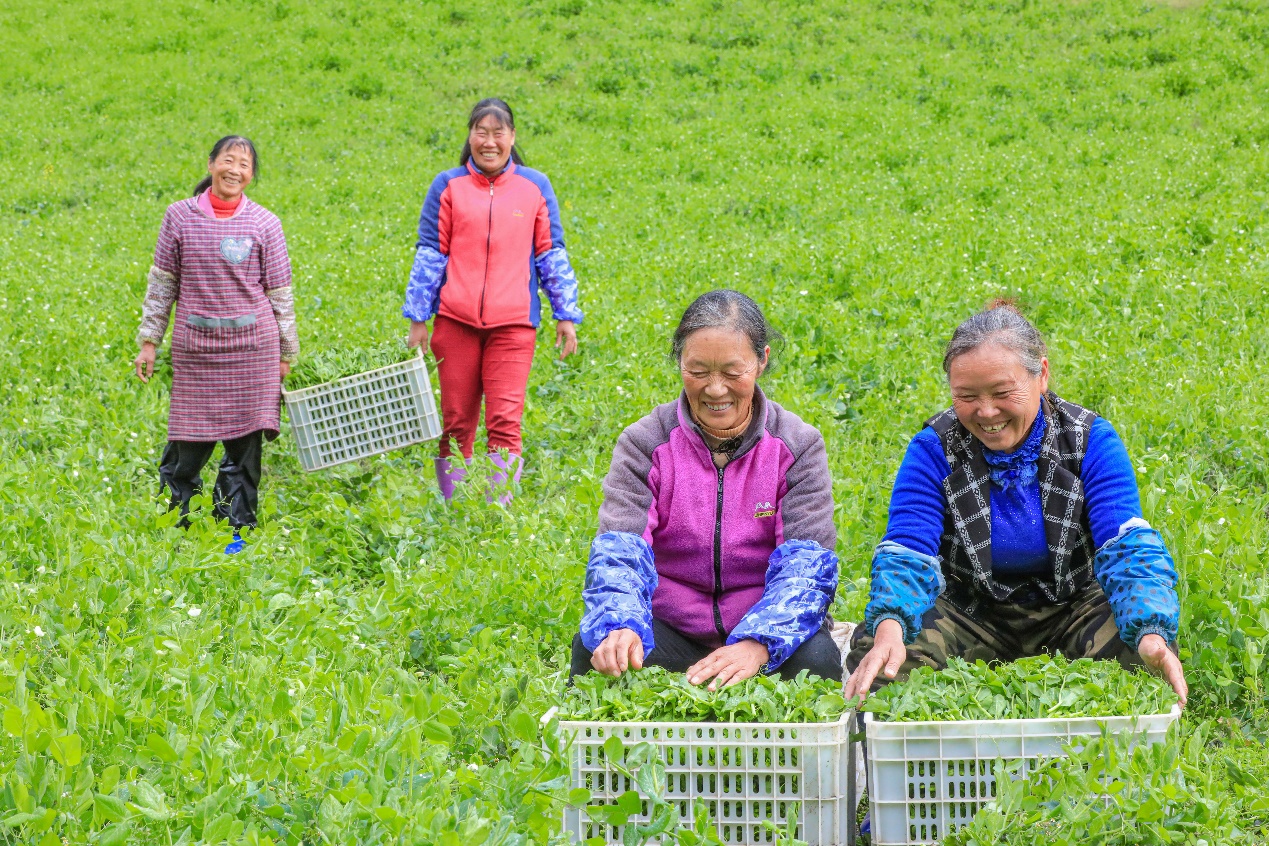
715 548
489 237
221 260
1015 528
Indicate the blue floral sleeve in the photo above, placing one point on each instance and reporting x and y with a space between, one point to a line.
560 283
800 585
1136 571
905 584
423 291
620 579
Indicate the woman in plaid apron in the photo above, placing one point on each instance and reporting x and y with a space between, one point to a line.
1015 528
221 260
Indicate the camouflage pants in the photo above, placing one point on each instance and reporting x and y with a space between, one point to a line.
1001 631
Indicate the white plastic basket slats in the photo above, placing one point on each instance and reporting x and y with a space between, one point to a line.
927 779
363 415
747 774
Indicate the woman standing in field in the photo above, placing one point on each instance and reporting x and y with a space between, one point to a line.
715 548
1015 529
489 237
222 260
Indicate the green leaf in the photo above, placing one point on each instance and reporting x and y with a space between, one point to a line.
115 835
66 750
436 732
13 721
614 749
160 748
109 808
523 726
630 802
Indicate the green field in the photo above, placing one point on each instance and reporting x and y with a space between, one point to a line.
372 670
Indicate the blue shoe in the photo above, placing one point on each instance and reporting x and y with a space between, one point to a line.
236 545
866 826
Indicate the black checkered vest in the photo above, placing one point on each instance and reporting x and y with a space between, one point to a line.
965 548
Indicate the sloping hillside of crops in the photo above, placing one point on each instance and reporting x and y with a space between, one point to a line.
374 667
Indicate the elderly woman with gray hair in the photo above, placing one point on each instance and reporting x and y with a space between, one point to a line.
1015 528
714 555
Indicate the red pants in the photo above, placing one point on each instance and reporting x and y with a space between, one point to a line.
473 362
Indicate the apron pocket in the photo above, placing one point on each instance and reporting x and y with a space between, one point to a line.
213 335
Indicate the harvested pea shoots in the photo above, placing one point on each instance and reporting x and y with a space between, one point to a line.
328 365
654 694
1044 686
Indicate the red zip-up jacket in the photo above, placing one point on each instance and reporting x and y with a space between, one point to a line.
486 245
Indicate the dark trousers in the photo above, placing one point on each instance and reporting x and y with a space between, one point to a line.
676 652
237 490
1084 627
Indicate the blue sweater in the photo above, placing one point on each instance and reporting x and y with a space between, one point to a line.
1131 564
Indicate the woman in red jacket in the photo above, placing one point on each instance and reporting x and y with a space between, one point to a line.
489 237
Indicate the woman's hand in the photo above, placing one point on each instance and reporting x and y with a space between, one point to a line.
285 368
887 652
621 650
566 338
418 334
144 362
728 665
1153 649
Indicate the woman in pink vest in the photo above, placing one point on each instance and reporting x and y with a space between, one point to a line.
715 548
221 260
489 237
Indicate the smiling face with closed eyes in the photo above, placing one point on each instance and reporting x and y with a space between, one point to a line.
720 372
994 396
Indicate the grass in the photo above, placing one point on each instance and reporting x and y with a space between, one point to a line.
372 669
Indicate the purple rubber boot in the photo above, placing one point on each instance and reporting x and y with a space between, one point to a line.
448 476
504 474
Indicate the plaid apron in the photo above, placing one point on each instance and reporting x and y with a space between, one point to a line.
225 346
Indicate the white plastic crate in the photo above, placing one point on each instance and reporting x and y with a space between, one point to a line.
927 779
364 414
746 773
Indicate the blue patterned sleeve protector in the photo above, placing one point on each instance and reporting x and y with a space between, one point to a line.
560 282
905 584
801 580
1136 571
620 579
423 291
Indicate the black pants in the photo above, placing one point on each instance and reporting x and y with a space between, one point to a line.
676 652
237 491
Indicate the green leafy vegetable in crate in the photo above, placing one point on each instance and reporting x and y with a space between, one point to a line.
1039 687
329 365
654 694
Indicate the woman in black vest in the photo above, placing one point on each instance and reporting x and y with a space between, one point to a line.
1015 528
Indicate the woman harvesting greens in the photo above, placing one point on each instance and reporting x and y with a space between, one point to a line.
1015 528
715 548
222 260
489 236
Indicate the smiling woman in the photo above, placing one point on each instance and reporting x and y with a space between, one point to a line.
489 236
1015 528
715 548
222 261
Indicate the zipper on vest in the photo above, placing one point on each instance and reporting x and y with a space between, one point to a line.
488 241
718 558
